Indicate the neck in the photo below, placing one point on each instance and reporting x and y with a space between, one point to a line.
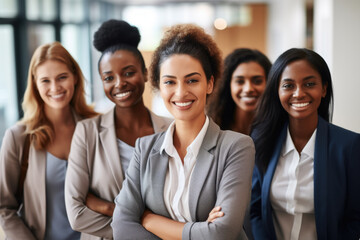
301 130
242 121
185 132
132 116
59 117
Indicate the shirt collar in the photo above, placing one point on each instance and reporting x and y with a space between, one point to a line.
193 148
309 148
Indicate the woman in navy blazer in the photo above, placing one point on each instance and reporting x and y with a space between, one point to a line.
297 103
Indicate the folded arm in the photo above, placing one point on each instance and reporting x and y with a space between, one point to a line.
77 183
130 206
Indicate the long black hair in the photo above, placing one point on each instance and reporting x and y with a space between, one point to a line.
271 116
222 107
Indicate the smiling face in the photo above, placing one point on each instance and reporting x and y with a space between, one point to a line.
301 90
247 84
55 83
122 77
184 87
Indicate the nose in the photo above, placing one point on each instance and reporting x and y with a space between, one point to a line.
298 92
181 89
55 85
120 82
248 87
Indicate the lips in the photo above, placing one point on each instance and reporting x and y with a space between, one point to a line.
122 94
249 99
300 105
57 96
183 104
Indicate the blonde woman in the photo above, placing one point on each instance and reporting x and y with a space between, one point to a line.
54 101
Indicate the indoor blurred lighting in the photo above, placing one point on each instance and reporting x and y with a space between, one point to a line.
220 23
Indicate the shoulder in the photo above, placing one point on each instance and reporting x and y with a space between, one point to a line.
17 131
151 140
161 123
14 138
234 140
90 123
338 133
343 141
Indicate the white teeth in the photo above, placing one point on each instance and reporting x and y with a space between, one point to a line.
248 98
299 105
182 104
57 95
121 95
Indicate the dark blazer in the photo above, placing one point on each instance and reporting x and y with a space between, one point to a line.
336 185
221 177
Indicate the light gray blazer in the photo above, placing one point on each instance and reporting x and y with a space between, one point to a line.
94 165
221 177
32 224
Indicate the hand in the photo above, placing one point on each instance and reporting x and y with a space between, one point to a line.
99 205
214 214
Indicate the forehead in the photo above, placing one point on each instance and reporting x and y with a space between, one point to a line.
179 64
51 67
119 58
249 68
299 69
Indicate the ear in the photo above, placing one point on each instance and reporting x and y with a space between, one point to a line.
210 85
324 89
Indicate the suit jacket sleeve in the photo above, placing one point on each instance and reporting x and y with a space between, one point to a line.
130 205
233 195
10 165
352 214
77 184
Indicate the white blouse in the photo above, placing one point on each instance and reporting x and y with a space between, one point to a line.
292 192
178 176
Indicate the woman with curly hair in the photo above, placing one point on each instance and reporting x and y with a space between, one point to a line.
38 147
103 146
234 103
177 178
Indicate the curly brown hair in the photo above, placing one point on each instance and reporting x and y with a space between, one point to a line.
191 40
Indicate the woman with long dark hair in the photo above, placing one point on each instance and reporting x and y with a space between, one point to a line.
238 92
306 181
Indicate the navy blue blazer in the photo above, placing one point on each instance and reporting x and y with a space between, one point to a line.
336 185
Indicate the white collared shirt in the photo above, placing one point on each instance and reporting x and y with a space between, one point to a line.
177 182
292 192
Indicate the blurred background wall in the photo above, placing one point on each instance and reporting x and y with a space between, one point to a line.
272 26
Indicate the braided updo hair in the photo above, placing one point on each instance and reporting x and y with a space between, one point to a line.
191 40
114 35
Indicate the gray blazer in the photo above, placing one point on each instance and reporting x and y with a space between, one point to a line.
32 224
94 165
221 177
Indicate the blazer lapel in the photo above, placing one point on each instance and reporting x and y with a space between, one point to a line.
204 161
320 178
108 138
265 196
157 170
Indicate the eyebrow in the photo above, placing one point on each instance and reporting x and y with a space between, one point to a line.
123 69
46 77
186 76
304 79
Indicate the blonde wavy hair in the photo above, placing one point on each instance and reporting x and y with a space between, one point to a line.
35 120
